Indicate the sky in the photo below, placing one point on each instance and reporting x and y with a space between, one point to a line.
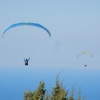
74 27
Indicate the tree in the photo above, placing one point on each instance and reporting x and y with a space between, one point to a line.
37 94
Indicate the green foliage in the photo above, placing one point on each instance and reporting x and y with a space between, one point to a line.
28 95
72 95
47 96
79 96
37 94
58 93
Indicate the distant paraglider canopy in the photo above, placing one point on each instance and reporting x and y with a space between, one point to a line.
88 53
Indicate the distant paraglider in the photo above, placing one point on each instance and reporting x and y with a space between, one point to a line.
25 24
88 53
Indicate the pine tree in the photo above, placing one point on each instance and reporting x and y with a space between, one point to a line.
40 92
36 95
47 97
28 95
58 93
79 96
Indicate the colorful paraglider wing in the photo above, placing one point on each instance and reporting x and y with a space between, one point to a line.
26 23
85 53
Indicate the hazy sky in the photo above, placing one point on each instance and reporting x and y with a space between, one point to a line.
74 27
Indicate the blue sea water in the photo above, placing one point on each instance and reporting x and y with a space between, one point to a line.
14 81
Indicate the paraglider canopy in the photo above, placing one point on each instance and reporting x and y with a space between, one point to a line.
88 53
26 23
